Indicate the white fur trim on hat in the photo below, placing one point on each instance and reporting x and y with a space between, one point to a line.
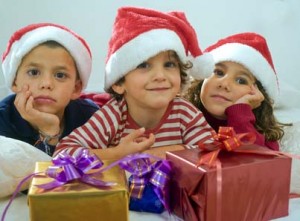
140 49
253 60
203 66
38 36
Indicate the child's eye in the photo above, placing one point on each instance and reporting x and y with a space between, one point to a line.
241 80
219 73
60 75
33 72
170 64
143 65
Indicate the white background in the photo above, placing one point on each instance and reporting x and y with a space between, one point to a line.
277 20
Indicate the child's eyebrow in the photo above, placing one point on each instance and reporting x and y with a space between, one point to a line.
61 67
32 64
220 65
173 56
247 74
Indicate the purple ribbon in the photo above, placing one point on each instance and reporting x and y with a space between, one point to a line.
144 172
67 168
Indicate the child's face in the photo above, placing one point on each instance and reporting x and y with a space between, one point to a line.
229 82
50 74
153 84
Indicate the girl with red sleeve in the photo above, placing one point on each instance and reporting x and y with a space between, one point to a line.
242 89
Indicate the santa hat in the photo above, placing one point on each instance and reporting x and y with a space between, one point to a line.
139 34
250 50
25 39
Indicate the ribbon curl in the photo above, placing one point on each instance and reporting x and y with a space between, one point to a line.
67 168
226 139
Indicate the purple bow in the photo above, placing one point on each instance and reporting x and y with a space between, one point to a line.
67 168
143 172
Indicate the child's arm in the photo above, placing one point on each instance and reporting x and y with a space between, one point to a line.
240 116
242 119
134 142
197 130
161 151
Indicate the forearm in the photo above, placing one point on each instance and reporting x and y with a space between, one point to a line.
161 151
111 153
242 119
115 153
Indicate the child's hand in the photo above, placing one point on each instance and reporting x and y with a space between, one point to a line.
254 98
48 123
135 142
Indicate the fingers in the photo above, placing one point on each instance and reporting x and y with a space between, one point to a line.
258 95
136 142
135 135
253 98
147 143
23 101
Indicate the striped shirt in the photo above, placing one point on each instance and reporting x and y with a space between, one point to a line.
182 123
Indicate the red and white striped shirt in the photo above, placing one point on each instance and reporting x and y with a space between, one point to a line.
182 123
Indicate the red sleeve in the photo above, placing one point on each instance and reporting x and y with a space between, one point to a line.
242 119
98 98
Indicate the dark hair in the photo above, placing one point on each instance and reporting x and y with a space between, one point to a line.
265 123
185 79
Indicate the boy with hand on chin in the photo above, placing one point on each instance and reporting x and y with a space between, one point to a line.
46 66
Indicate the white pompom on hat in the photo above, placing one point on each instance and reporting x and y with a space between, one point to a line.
140 33
251 50
27 38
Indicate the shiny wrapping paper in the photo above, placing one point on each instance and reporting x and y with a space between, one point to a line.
79 201
253 187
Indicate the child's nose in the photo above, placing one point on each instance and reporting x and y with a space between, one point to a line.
159 74
224 84
46 81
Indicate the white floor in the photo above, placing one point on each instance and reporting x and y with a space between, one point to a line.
19 211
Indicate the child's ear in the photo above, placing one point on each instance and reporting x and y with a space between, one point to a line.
77 90
118 88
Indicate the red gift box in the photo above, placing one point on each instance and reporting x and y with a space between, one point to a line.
253 186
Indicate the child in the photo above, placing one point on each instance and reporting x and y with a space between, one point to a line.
145 71
242 89
46 66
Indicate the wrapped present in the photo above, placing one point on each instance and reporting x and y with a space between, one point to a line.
148 202
250 184
148 183
79 199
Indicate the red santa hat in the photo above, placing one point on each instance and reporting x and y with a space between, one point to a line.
25 39
139 34
250 50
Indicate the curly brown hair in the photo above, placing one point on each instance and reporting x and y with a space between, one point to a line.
185 78
265 123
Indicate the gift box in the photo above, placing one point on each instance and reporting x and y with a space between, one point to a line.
79 201
148 183
149 202
248 187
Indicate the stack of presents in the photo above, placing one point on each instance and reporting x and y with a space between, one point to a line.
228 182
